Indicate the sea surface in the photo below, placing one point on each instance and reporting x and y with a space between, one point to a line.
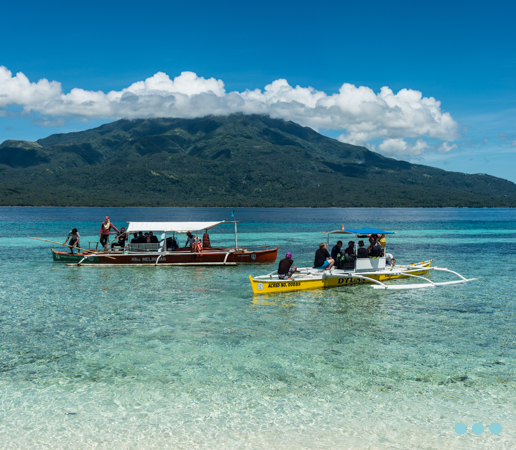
188 358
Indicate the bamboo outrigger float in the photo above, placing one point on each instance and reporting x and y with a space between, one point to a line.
150 254
372 271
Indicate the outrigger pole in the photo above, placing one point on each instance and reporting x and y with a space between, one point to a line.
70 246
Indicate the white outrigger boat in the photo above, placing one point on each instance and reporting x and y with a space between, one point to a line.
373 271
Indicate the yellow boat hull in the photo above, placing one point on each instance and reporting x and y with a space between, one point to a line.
262 286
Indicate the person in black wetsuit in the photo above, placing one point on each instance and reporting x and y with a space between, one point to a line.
350 251
362 251
171 244
336 251
285 268
374 249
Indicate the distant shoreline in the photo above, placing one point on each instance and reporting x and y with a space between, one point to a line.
268 207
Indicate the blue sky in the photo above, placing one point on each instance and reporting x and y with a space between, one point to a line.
450 68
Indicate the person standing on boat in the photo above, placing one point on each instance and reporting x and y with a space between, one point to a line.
285 268
75 239
105 228
390 260
189 239
323 259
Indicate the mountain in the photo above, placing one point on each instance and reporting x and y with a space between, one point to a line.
237 160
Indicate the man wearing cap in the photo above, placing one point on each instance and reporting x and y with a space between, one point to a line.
105 228
285 268
189 239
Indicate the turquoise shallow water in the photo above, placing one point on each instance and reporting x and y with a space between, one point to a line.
141 357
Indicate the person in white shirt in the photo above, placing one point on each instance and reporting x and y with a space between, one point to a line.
75 239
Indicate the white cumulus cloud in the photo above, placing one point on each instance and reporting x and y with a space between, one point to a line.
399 147
361 114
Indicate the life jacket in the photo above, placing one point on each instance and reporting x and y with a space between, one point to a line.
197 247
205 240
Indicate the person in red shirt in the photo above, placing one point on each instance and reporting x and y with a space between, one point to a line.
105 228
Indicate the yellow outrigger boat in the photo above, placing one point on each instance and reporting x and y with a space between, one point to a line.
373 271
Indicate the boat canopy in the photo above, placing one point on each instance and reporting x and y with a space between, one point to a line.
361 231
178 227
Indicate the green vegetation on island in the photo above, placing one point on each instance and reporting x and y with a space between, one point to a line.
238 160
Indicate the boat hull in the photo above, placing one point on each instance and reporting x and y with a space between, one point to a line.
327 279
208 257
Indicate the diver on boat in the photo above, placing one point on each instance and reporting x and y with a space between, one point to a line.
323 259
349 253
362 251
153 239
285 268
75 239
336 251
374 249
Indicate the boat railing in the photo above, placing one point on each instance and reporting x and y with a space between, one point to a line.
362 264
142 247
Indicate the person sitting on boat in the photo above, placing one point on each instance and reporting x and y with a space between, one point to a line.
135 239
374 249
196 245
362 251
153 239
189 239
122 237
206 240
323 259
171 244
146 238
285 268
349 253
105 228
335 251
75 239
141 238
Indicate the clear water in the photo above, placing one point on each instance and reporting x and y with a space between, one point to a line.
145 357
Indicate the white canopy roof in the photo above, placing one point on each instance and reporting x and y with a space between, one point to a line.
178 227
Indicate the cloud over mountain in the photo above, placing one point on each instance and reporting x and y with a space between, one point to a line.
360 113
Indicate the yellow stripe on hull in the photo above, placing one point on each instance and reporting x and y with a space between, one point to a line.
274 285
